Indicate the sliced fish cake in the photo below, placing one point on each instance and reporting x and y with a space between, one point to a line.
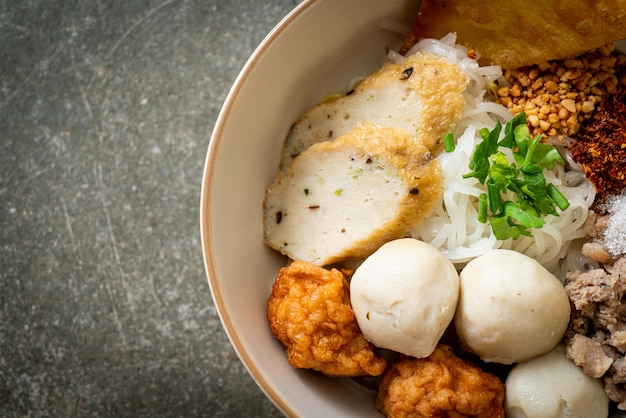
343 199
422 96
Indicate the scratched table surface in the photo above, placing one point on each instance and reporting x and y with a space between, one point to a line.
106 109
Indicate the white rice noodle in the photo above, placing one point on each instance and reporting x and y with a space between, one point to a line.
453 228
445 47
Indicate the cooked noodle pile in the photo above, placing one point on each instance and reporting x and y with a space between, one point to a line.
454 228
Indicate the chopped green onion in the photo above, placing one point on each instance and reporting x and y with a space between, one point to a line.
556 195
495 200
448 142
482 208
521 133
503 228
522 178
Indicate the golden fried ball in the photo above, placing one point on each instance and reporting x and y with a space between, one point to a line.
441 385
309 312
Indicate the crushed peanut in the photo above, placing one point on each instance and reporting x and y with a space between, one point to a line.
558 96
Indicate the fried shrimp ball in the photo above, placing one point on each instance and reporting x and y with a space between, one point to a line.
441 385
309 312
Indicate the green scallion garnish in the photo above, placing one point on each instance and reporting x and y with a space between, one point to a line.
448 142
523 178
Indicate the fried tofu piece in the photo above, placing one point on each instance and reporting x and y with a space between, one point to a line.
516 33
341 200
309 312
422 96
441 385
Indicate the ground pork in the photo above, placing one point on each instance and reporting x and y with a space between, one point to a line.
596 338
595 226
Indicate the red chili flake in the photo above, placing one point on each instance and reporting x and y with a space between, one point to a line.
600 147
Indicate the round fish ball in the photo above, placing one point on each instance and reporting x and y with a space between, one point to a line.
404 296
552 386
510 308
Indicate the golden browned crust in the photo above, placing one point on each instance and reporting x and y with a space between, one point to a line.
437 83
441 385
516 33
440 85
415 164
313 225
309 312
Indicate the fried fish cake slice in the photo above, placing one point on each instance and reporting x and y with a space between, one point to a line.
516 33
341 200
423 95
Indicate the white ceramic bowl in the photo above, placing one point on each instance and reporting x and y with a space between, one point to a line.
315 51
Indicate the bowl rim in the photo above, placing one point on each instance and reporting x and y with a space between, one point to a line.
205 200
215 239
206 193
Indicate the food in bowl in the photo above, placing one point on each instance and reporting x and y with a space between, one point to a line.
522 33
343 196
464 254
309 312
511 308
384 290
421 95
463 388
342 199
552 386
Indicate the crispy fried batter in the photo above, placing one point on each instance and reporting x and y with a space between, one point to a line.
516 33
309 312
441 385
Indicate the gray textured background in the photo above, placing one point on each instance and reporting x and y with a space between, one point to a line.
106 107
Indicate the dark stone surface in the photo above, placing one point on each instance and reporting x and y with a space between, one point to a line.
106 107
